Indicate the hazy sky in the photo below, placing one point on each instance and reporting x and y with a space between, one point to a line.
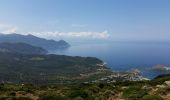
87 19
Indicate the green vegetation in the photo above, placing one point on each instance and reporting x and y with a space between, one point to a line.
151 97
129 90
27 74
48 69
134 93
53 98
21 48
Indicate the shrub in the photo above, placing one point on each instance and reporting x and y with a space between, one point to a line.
94 89
82 94
1 86
15 98
22 98
134 93
53 98
12 94
151 97
108 93
4 98
101 85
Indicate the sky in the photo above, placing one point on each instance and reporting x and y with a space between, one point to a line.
95 20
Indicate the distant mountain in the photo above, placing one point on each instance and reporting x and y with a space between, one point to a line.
35 41
21 48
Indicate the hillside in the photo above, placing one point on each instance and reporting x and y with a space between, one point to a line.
156 89
35 41
46 69
21 48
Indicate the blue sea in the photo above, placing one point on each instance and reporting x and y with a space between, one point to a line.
124 56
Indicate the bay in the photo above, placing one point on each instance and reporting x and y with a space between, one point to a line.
122 56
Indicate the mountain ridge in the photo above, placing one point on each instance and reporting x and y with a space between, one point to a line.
35 41
21 48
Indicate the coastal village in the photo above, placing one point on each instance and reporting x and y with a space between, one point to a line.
134 75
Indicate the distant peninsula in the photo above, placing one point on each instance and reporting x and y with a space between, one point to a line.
159 67
34 41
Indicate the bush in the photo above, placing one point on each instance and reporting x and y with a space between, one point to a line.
22 98
108 93
14 98
101 85
1 86
53 98
4 98
12 94
94 89
82 94
134 93
151 97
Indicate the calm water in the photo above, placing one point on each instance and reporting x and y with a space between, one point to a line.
125 56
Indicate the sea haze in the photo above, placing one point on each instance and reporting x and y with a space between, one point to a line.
123 56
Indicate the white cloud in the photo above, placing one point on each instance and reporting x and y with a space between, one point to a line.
10 30
7 29
92 35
